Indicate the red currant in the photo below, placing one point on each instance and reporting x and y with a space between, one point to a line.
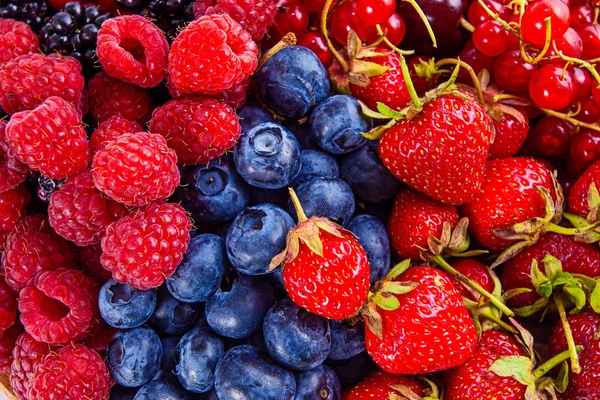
373 12
488 38
589 111
596 92
394 29
590 35
314 40
583 83
570 44
584 151
512 73
551 137
550 88
291 18
581 15
476 60
477 14
316 6
533 26
344 19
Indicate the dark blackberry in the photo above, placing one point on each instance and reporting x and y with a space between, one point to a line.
46 187
73 31
168 15
33 12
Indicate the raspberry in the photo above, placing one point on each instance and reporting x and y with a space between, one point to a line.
8 307
28 80
31 247
210 55
134 50
12 171
16 39
50 139
89 259
80 213
75 372
59 306
136 169
110 130
110 96
27 354
235 97
143 249
12 203
7 343
198 131
255 16
100 337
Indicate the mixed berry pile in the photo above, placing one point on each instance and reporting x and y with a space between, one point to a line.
287 199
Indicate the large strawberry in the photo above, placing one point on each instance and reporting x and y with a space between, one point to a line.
416 322
325 269
380 386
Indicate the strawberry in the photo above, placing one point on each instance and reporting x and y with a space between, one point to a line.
325 269
378 386
510 132
416 322
477 272
579 203
414 218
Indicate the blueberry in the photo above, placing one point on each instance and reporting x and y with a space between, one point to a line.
293 81
238 307
296 338
133 356
213 193
301 130
201 270
212 395
162 389
278 197
325 197
267 156
171 316
168 362
315 163
244 372
369 179
257 235
372 236
346 340
252 114
118 392
198 352
319 383
353 370
123 306
337 124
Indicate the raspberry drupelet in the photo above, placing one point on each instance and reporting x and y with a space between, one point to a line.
27 354
16 39
111 129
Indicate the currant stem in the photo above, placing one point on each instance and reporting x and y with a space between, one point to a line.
474 285
466 25
575 367
330 45
487 314
567 118
476 85
289 39
390 44
548 23
424 19
296 202
577 61
409 85
495 16
553 362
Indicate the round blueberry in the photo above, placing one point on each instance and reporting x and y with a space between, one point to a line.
253 114
315 163
171 316
267 156
168 362
278 197
353 370
296 338
257 235
162 389
372 236
133 356
213 193
337 124
244 372
293 81
201 270
123 306
319 383
118 392
346 340
331 198
301 130
198 352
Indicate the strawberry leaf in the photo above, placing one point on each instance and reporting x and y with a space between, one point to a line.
405 391
593 200
386 302
368 68
527 311
308 233
510 252
371 113
517 367
576 295
374 321
576 220
398 269
562 379
539 279
375 133
595 297
398 287
552 266
509 294
388 112
358 80
353 44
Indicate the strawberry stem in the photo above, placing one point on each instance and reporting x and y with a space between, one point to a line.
553 362
390 44
476 84
474 285
296 202
487 314
570 231
575 367
330 45
409 85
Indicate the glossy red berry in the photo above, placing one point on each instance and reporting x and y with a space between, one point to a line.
581 15
489 38
292 18
589 111
583 83
344 19
595 87
476 14
373 12
394 28
314 40
590 36
569 44
476 59
512 73
551 137
533 26
552 88
584 151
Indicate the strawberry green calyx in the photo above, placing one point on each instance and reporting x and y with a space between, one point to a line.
431 393
593 201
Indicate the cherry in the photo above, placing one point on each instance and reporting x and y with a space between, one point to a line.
373 12
314 40
477 14
590 35
584 151
533 27
551 137
476 60
489 38
581 15
291 18
550 88
512 73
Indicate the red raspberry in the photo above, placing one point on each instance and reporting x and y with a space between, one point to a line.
255 16
79 212
89 259
136 169
211 54
7 344
235 97
133 49
50 139
27 354
75 372
31 247
28 80
12 203
100 336
143 249
12 171
16 39
59 306
8 307
198 131
111 129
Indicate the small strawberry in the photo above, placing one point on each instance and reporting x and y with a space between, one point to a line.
325 269
579 196
477 272
380 386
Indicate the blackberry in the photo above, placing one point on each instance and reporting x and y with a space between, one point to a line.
168 15
73 31
47 186
33 12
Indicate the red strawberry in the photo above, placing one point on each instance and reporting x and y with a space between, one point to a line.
377 386
414 218
578 196
325 269
510 132
417 323
477 272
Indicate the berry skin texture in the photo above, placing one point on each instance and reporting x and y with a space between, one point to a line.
59 306
27 354
377 387
80 370
210 55
50 139
32 247
508 196
477 272
16 39
7 344
510 134
12 171
79 212
414 218
136 169
550 88
578 203
441 152
111 129
134 50
28 80
474 380
8 307
12 204
198 131
110 96
145 248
